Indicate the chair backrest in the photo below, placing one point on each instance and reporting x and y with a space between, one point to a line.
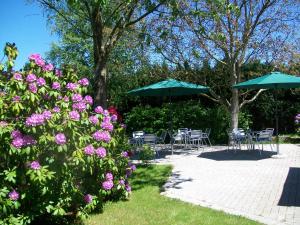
207 131
239 132
271 130
163 135
196 133
150 139
137 134
183 130
264 135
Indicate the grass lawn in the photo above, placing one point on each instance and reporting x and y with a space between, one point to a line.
147 206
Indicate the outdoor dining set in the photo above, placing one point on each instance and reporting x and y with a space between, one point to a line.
185 137
188 139
238 137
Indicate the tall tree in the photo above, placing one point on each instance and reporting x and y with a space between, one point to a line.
229 32
103 22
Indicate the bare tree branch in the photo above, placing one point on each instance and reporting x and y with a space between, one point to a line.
51 6
253 98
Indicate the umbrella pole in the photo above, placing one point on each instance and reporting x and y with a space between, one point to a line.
276 118
171 122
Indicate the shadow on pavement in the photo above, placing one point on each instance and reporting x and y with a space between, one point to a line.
224 155
176 180
291 190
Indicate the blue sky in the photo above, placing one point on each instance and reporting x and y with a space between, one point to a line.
25 25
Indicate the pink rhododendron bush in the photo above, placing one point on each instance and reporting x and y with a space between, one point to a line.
60 157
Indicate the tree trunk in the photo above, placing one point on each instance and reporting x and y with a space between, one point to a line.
234 102
100 95
234 109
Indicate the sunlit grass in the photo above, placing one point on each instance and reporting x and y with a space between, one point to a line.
147 206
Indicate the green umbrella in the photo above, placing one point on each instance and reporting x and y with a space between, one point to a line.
274 80
169 87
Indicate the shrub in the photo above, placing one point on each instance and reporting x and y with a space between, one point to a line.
58 156
146 154
189 114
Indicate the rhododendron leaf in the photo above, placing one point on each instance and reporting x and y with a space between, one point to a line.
60 148
27 150
33 130
65 148
32 98
10 175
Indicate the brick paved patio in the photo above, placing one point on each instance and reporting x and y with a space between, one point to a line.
242 183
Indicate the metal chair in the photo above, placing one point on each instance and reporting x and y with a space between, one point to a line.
184 132
161 139
205 136
240 137
177 137
196 138
137 138
151 140
232 141
263 137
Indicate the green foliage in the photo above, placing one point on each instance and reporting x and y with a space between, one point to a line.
189 114
41 175
146 154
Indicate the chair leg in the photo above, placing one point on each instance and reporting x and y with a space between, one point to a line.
209 142
271 146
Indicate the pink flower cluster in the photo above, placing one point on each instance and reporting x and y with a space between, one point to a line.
99 110
32 87
88 100
56 109
3 123
84 82
101 152
16 98
76 97
125 154
47 114
41 81
31 78
80 106
40 62
94 120
131 167
58 73
71 86
106 124
108 183
13 195
74 115
56 86
109 176
102 136
89 150
88 198
60 139
37 59
35 120
20 140
114 118
18 76
35 165
49 67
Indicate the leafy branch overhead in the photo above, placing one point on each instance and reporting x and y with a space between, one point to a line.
104 22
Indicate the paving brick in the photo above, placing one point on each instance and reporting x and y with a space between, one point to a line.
243 183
